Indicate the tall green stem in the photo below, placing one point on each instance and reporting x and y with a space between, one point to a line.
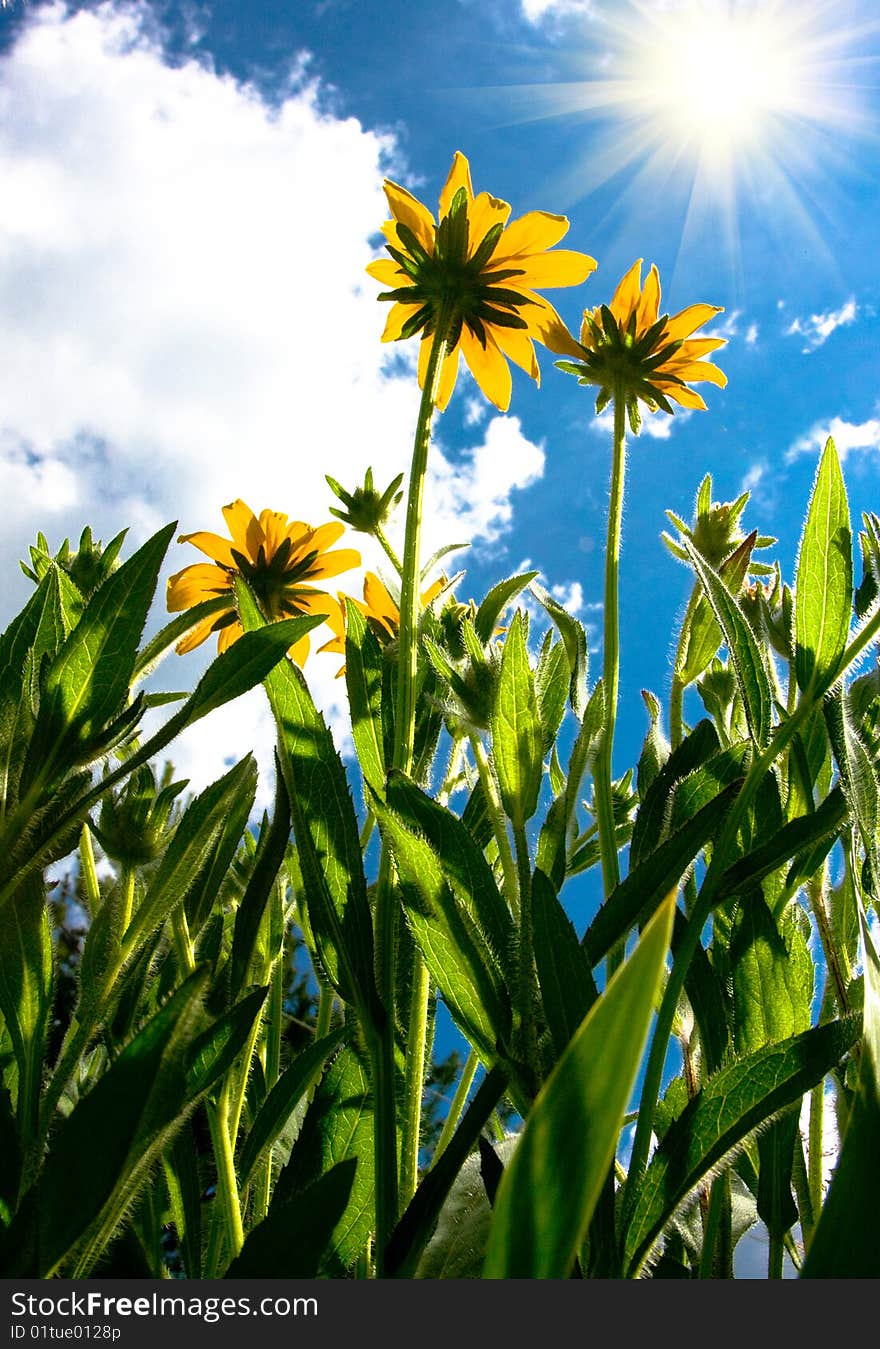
611 668
382 1042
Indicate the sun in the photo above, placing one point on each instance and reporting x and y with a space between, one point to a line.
727 111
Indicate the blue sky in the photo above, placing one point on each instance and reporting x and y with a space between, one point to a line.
192 192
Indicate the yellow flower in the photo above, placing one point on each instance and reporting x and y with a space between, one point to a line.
479 272
276 556
630 346
378 607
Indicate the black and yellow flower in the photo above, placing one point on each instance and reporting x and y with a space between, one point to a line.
279 558
476 276
627 347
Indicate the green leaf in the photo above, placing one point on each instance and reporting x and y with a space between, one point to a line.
462 860
574 640
270 854
568 989
217 1048
772 975
363 682
26 993
459 954
338 1126
291 1240
824 583
745 654
105 1150
497 600
549 1191
190 851
326 830
639 893
87 682
551 690
799 838
517 735
733 1103
705 635
652 821
285 1096
457 1248
858 773
844 1244
553 839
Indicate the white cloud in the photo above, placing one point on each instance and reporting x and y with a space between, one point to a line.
818 327
187 318
847 436
535 11
751 336
655 425
754 476
725 327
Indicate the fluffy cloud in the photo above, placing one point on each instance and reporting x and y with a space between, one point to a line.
535 11
186 315
818 327
847 436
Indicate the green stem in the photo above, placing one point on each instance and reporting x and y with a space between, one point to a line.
499 823
182 943
126 881
526 980
465 1083
414 1080
383 540
653 1077
814 1148
88 871
676 693
775 1256
801 1180
611 670
404 726
227 1185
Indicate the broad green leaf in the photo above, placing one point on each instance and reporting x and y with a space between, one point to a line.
191 849
167 637
242 666
338 1125
858 773
415 1229
705 636
844 1244
655 747
648 884
180 1163
549 1190
799 838
772 975
497 600
326 830
517 735
270 854
217 1048
104 1151
458 1247
363 682
87 683
551 690
707 997
462 860
824 586
285 1096
735 1101
652 820
575 641
10 1151
568 989
776 1207
459 954
745 654
26 992
291 1240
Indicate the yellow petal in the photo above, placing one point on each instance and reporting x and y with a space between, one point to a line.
226 636
410 212
241 523
517 345
195 636
695 347
687 321
683 395
532 233
546 325
649 305
562 268
459 176
627 295
695 370
326 535
212 545
489 368
396 319
380 603
484 212
201 581
299 652
389 272
332 564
